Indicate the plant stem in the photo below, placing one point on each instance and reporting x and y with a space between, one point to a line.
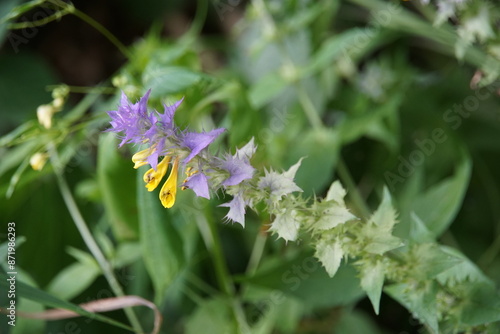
353 191
87 236
257 251
213 244
99 27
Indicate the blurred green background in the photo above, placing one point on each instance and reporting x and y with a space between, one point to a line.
381 90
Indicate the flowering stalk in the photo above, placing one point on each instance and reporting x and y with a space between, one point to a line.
333 231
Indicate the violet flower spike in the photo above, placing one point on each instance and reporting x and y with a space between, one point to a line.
196 142
238 165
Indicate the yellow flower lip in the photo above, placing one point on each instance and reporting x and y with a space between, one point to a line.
140 158
169 189
153 177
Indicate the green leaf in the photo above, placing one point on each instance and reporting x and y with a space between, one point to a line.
385 216
356 322
438 206
16 155
372 281
73 280
463 271
116 180
428 260
482 305
266 89
330 254
420 301
26 305
215 312
17 132
372 124
376 234
6 11
39 296
320 149
419 231
304 278
348 46
164 80
162 247
4 247
17 11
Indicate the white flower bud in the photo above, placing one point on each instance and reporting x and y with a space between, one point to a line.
38 160
44 114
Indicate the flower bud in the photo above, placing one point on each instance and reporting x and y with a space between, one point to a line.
38 160
44 114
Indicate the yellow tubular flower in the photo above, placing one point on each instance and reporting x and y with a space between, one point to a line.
139 159
169 189
153 178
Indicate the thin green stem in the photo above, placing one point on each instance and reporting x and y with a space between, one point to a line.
213 244
85 90
257 251
106 33
31 24
352 189
304 100
99 27
199 19
309 108
89 240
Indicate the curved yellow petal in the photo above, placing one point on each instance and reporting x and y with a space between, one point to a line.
153 177
169 189
139 159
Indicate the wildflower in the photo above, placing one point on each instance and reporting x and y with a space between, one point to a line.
198 182
166 142
238 165
169 189
38 160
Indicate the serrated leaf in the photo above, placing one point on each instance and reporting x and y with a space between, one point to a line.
385 216
333 215
420 301
330 254
286 225
428 260
381 243
372 281
336 193
482 305
463 271
161 244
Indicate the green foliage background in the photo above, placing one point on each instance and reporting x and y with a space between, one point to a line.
373 93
